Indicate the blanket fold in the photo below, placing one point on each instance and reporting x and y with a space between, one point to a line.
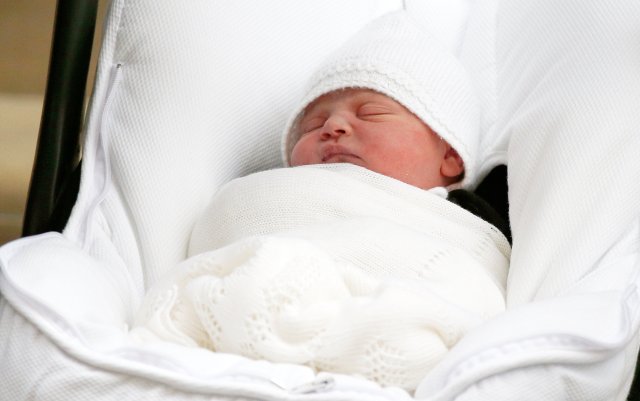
334 267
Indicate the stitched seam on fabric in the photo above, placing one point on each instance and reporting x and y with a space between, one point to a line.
103 145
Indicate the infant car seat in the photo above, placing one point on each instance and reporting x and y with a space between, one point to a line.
189 95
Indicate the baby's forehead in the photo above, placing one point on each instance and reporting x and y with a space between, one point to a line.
355 94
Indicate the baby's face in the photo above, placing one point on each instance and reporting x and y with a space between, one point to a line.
366 128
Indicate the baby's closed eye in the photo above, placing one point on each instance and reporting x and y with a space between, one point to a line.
311 124
374 111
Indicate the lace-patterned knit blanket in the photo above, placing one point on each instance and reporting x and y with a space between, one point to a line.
334 267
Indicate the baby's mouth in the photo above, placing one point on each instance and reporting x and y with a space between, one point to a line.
338 154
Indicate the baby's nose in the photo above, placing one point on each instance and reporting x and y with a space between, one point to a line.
336 126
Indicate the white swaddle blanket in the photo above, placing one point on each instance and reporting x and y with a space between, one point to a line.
335 267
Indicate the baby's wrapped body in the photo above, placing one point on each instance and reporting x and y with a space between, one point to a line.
335 267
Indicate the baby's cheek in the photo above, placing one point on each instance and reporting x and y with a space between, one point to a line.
302 153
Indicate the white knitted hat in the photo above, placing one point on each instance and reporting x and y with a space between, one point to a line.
394 56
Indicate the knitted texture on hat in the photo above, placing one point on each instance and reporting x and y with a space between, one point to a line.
394 56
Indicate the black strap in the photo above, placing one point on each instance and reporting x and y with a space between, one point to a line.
481 208
494 190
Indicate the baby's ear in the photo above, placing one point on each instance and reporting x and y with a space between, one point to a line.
452 164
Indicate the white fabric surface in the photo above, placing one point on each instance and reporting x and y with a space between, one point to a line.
52 351
568 90
566 84
334 267
569 100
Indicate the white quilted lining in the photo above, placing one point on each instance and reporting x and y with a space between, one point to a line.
567 100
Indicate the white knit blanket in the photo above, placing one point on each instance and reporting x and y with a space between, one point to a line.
334 267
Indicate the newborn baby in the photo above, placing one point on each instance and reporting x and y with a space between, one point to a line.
369 129
352 260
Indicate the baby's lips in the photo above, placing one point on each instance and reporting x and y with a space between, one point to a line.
337 152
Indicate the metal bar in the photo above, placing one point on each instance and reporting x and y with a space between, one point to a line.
58 141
